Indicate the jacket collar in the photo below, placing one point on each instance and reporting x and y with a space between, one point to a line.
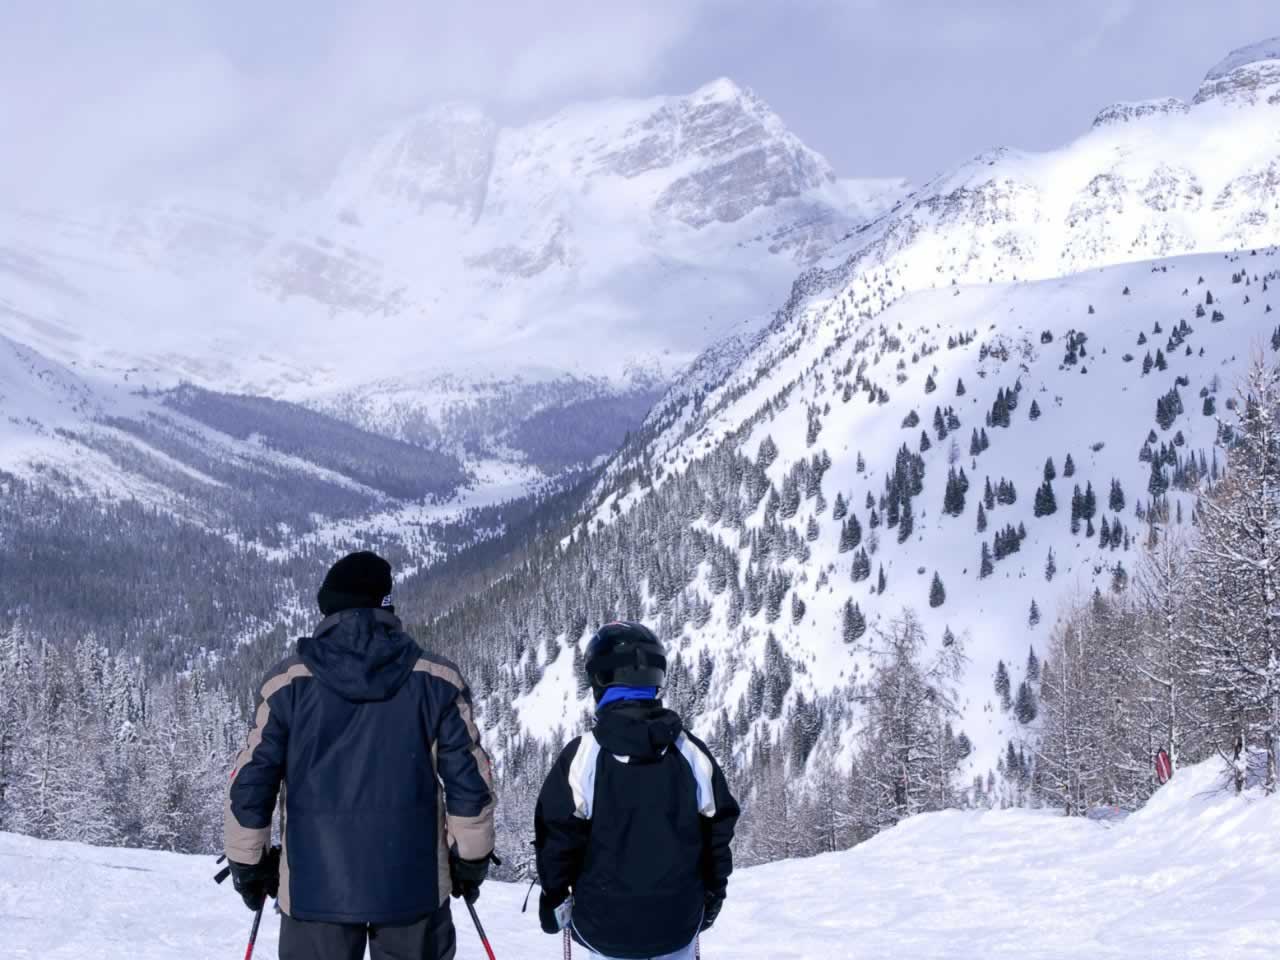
389 620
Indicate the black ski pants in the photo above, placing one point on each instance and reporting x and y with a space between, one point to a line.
431 938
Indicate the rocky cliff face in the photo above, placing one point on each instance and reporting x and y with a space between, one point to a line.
1137 110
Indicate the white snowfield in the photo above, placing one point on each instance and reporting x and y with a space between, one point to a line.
1196 874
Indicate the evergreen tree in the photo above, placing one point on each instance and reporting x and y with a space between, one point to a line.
797 608
855 624
1025 707
1045 502
1089 502
986 567
1050 473
1116 500
1033 618
953 497
1003 687
937 593
767 453
850 534
861 568
906 523
1068 467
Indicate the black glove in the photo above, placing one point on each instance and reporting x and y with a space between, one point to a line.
257 881
547 905
467 875
711 909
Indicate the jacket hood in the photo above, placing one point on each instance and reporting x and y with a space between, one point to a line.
362 655
640 729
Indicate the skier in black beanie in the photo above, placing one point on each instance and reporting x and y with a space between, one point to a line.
357 581
369 744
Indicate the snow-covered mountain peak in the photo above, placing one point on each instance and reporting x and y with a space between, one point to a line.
660 224
1246 75
1264 50
714 155
724 89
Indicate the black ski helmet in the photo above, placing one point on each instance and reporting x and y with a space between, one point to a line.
625 654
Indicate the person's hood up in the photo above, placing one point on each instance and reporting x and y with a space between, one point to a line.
640 729
362 655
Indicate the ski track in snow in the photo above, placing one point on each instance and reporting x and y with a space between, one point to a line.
1194 875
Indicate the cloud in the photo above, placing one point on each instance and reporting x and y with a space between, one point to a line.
100 98
95 96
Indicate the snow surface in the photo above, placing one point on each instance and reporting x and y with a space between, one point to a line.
1194 875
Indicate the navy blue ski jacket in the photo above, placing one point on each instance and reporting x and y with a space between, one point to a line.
635 820
369 746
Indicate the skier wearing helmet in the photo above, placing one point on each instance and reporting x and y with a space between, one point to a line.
634 822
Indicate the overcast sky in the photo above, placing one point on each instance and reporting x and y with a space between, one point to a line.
97 94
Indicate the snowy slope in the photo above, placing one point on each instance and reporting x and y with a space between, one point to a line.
1195 874
1100 410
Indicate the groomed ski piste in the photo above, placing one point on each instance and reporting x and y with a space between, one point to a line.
1194 874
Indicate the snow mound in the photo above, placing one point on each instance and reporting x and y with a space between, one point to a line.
1194 874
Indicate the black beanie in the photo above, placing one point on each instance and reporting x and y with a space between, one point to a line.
357 580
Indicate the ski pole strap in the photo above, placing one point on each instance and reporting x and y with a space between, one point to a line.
697 947
568 945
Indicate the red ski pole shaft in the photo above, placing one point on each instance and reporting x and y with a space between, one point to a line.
475 918
253 933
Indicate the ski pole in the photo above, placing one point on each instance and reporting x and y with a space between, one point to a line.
253 932
475 918
257 917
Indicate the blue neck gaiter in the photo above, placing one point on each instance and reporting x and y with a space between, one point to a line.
616 694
